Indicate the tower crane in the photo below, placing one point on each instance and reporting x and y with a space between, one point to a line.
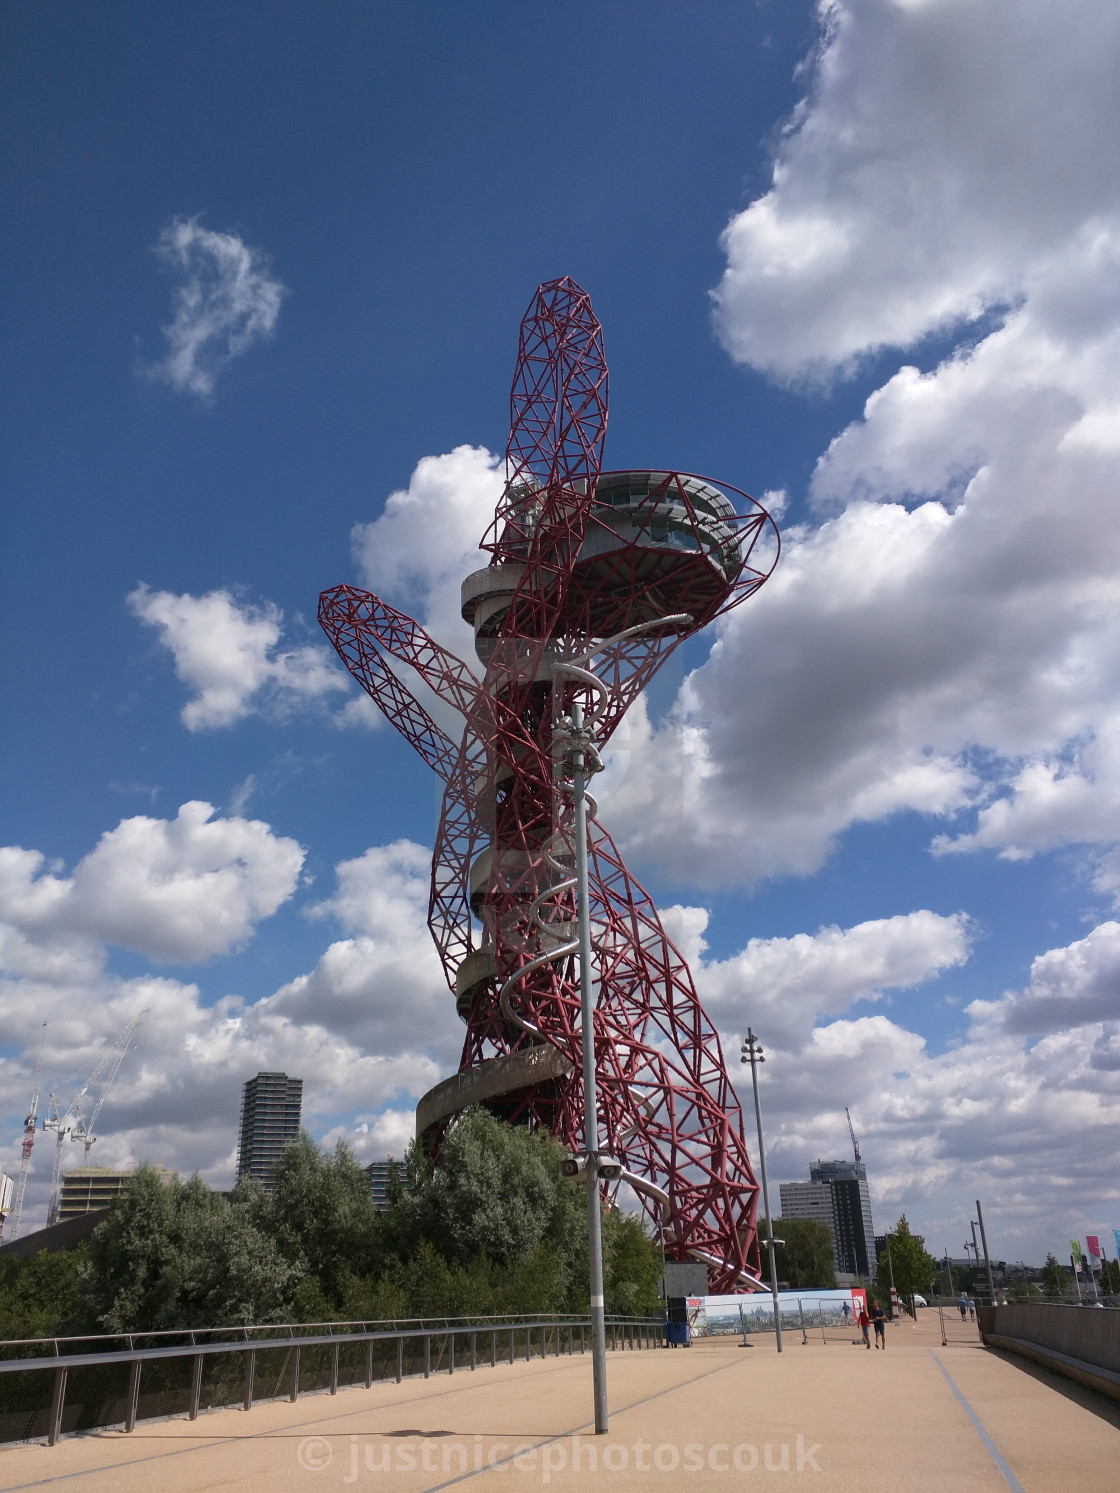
852 1133
72 1120
28 1139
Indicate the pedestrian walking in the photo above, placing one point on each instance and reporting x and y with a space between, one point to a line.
879 1318
971 1310
963 1304
865 1327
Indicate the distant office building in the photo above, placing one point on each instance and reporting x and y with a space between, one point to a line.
808 1200
7 1190
270 1116
380 1174
88 1188
836 1194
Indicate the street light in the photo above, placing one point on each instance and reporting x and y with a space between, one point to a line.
976 1248
581 741
752 1053
575 736
987 1257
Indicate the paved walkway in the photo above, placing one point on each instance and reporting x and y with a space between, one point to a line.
715 1416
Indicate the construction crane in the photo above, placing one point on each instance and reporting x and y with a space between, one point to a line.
852 1133
28 1140
72 1121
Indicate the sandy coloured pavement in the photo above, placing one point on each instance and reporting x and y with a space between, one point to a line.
715 1416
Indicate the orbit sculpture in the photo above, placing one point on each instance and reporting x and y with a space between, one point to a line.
593 579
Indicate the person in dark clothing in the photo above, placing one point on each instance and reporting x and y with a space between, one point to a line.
879 1320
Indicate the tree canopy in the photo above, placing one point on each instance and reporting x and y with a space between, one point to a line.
1055 1278
491 1227
914 1270
806 1259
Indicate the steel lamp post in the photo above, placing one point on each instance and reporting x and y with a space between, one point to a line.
752 1053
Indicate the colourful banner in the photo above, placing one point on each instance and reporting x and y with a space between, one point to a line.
1116 1236
1094 1245
1075 1249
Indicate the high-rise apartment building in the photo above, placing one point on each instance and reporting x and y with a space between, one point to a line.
382 1175
836 1194
270 1116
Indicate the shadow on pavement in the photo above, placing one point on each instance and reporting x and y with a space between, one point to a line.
1089 1399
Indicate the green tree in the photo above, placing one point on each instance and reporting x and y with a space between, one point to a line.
175 1254
493 1226
914 1270
1110 1277
320 1215
39 1295
496 1192
1054 1276
510 1229
805 1260
631 1266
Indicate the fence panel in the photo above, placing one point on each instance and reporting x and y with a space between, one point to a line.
25 1404
956 1328
272 1373
351 1365
314 1368
43 1395
96 1396
223 1380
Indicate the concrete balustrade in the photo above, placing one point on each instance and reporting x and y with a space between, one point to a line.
1082 1342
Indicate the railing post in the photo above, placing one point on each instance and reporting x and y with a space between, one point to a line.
58 1399
451 1352
133 1395
493 1350
293 1393
196 1385
582 1348
369 1363
334 1368
474 1351
427 1355
400 1359
250 1368
511 1345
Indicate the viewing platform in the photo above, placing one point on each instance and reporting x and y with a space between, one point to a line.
828 1416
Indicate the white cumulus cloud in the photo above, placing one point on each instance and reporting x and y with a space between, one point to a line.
1074 986
943 638
417 553
184 889
946 155
383 986
784 986
179 889
227 300
229 653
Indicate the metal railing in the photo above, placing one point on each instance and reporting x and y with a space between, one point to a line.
209 1369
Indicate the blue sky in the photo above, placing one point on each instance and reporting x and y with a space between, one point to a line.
269 270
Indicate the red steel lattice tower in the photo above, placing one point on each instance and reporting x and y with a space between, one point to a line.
594 578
